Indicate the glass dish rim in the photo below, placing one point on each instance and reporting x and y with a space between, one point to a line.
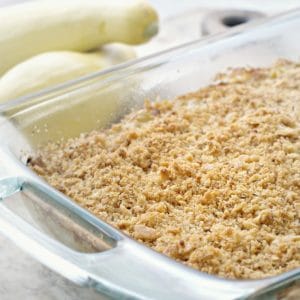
121 71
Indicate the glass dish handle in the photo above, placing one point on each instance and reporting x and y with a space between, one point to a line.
40 246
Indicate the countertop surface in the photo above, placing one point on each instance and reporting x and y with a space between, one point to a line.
22 277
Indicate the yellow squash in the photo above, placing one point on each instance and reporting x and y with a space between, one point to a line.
50 25
50 68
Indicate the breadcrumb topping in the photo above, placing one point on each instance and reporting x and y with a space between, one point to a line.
210 179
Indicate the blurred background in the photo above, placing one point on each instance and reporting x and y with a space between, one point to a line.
173 7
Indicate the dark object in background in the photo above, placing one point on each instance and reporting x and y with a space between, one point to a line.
218 21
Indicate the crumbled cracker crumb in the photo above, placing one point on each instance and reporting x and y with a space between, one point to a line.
144 233
210 179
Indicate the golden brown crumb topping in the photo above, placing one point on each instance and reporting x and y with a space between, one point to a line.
210 179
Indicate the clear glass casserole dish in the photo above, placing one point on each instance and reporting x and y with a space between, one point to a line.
75 243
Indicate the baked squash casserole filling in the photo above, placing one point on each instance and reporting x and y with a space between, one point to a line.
211 178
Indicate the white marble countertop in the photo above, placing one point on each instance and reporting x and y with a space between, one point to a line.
22 277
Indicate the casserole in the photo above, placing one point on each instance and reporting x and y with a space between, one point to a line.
73 242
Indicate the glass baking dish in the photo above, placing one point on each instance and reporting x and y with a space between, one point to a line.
73 242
